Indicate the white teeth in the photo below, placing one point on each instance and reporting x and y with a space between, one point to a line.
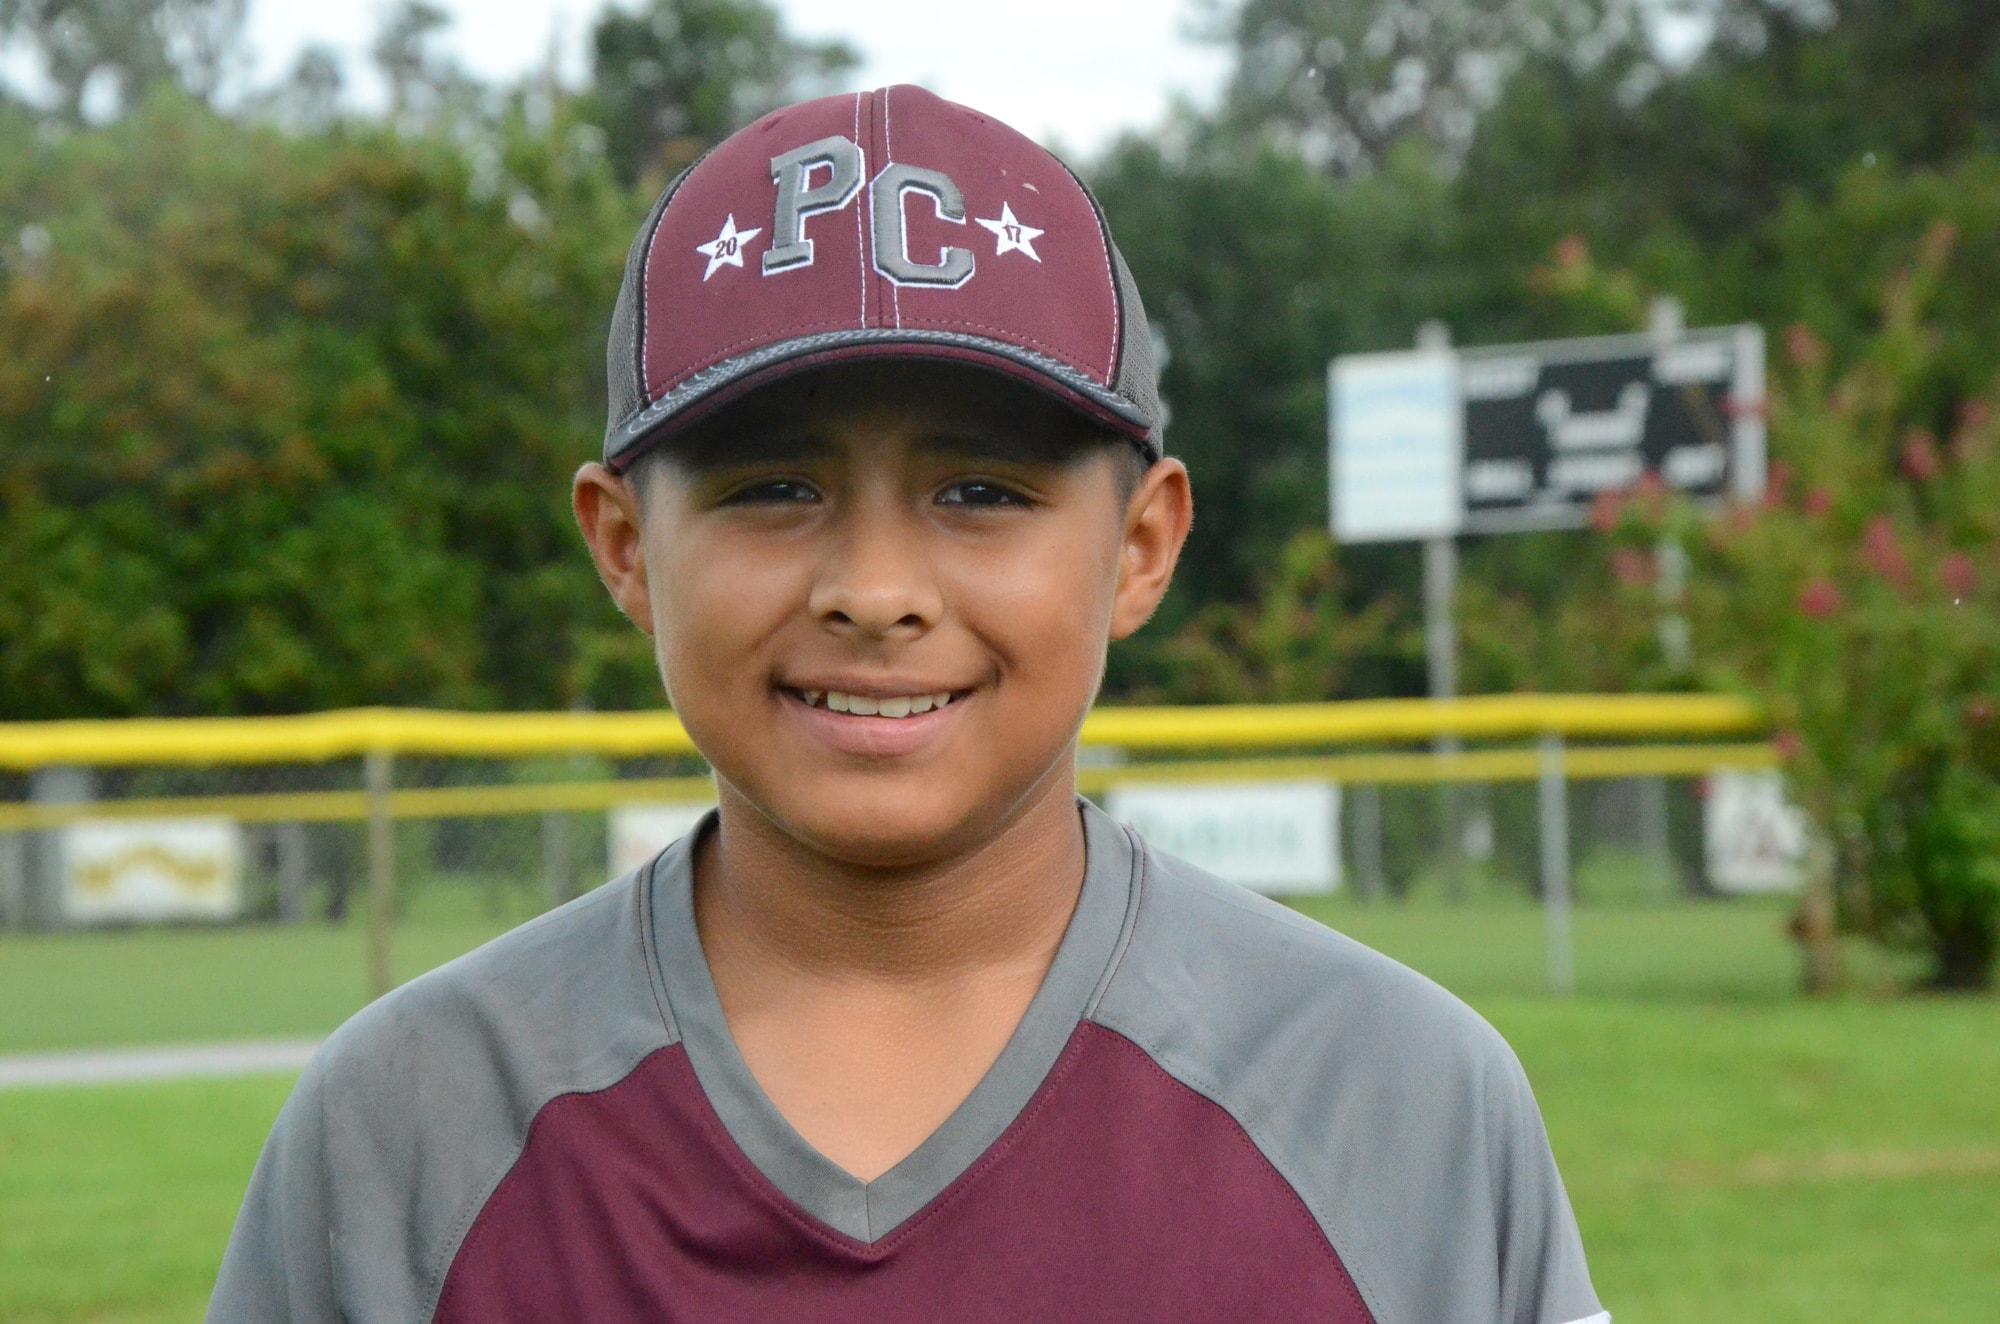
908 705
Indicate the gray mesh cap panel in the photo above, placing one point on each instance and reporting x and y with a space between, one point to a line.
624 375
1138 367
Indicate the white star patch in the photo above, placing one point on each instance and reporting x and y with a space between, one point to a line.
1013 236
726 249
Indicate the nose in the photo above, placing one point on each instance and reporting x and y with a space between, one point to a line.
877 581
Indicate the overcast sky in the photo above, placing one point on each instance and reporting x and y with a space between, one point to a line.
1072 72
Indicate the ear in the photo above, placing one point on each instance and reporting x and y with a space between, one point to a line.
1156 526
607 510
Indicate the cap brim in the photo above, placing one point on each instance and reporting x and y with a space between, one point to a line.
710 390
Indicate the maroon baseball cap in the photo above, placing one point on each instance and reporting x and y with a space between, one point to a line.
883 224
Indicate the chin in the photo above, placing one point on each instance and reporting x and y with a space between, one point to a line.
886 831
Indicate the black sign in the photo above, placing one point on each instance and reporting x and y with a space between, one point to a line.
1550 427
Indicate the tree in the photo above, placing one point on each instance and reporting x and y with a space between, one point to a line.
420 80
1345 82
1679 171
681 75
136 44
289 421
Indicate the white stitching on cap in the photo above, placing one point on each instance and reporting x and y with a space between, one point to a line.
861 221
889 159
645 322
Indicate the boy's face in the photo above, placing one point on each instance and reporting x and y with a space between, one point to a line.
937 545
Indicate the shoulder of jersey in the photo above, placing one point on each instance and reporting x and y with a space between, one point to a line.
1251 961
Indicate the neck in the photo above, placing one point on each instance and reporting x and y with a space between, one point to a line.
763 897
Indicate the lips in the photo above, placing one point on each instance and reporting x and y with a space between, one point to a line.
890 721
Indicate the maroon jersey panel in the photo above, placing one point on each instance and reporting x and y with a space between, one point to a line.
1117 1194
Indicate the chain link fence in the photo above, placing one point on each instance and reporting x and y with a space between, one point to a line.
359 818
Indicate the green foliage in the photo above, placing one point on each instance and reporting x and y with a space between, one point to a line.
1686 174
681 75
1301 640
288 421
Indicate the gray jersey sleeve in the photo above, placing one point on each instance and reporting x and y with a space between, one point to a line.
279 1263
1542 1275
410 1115
1400 1118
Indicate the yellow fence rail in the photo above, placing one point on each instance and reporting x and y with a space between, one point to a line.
320 737
1548 739
1386 769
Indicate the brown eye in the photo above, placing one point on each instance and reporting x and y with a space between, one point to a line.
776 492
980 492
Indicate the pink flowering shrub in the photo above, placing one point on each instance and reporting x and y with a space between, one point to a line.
1860 602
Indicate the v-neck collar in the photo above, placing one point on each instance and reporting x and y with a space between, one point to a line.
868 1211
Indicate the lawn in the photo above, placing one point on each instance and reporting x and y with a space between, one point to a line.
1733 1152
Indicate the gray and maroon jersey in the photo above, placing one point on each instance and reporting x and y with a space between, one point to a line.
1214 1109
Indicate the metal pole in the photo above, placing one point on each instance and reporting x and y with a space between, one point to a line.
1653 839
378 774
1441 659
1368 881
293 872
1554 806
1440 631
45 908
1676 639
13 880
555 858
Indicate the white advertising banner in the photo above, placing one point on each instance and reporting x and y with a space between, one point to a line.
1398 433
639 832
1279 838
1755 838
144 870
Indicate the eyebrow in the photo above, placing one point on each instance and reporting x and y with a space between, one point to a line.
1017 447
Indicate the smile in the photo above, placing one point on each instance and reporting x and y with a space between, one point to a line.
863 705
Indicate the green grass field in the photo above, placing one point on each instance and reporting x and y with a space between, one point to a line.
1733 1152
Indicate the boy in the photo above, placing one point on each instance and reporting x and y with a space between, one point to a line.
907 1031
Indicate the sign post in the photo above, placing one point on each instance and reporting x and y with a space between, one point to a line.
1435 443
1552 803
1398 434
378 778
